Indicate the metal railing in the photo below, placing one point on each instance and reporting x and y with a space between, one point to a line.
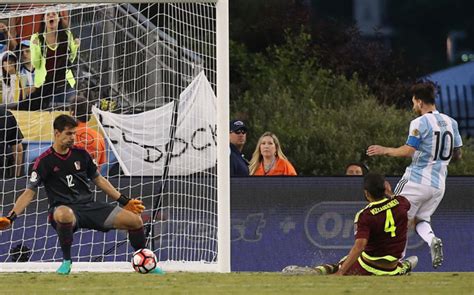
457 101
129 59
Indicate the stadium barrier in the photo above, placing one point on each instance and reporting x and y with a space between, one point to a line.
309 220
276 221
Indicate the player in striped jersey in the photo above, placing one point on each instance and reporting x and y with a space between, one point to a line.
432 142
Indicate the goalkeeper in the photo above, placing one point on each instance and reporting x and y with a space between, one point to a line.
66 171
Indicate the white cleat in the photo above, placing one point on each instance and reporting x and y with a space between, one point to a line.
413 260
298 270
436 248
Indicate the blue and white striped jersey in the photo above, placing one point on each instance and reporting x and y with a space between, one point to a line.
434 136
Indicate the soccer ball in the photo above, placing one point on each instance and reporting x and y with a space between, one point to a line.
144 261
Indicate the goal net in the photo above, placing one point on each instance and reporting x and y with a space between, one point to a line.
152 81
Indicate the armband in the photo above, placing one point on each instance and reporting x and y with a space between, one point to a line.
12 216
123 200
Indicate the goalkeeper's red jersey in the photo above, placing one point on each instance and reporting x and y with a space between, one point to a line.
384 224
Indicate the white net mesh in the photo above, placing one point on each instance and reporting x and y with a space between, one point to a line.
147 72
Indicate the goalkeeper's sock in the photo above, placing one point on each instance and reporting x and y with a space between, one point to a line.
137 238
157 271
65 234
65 267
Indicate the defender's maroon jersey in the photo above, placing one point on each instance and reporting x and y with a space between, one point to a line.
65 177
384 224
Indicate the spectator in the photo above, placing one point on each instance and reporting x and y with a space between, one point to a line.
238 137
9 38
268 158
11 89
11 149
4 42
53 50
87 138
27 75
356 169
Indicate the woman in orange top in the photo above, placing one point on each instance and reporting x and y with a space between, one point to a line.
268 158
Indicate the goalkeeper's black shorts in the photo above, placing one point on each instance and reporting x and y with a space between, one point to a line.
93 215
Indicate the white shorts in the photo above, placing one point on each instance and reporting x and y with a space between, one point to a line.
423 199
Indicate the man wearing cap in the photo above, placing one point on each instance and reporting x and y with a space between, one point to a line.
238 137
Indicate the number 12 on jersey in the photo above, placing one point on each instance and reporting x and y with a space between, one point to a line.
69 180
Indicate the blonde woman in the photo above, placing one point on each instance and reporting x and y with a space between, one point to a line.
268 158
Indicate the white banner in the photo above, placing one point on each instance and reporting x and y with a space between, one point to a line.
139 141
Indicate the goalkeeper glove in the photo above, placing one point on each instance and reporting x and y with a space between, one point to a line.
132 205
6 222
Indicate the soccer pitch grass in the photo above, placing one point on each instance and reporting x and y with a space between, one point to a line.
233 283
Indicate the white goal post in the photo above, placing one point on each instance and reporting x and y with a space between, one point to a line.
156 79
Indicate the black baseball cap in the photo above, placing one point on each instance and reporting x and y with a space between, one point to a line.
237 125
